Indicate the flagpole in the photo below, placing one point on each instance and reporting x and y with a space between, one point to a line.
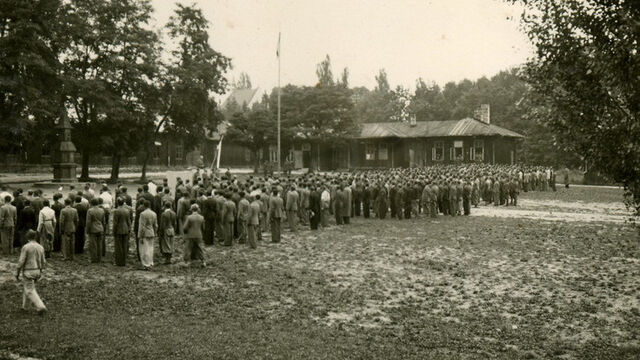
279 93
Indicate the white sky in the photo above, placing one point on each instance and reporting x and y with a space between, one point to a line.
438 40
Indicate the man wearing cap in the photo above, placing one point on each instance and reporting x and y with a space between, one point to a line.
30 265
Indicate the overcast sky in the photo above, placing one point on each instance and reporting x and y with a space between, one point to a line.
438 40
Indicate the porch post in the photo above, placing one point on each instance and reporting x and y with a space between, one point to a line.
392 156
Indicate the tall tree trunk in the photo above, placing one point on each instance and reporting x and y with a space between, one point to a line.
256 162
115 168
150 144
84 173
147 155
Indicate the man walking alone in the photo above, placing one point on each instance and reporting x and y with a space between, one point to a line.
30 266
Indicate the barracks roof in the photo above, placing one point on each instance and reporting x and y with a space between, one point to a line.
464 127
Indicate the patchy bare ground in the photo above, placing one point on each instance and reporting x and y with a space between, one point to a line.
464 287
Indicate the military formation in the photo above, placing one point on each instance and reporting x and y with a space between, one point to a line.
208 209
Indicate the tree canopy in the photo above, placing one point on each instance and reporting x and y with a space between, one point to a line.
584 80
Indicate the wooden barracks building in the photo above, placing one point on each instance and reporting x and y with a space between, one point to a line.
395 144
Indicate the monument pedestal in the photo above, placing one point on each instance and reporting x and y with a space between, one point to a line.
64 164
64 172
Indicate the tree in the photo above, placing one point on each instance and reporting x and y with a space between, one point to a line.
584 80
323 71
344 78
243 82
382 82
399 101
108 68
31 38
326 117
192 74
377 105
428 103
253 129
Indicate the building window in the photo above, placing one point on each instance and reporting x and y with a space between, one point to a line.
306 147
156 152
179 152
458 150
477 152
369 151
247 155
437 151
383 154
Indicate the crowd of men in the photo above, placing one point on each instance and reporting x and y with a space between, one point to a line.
209 209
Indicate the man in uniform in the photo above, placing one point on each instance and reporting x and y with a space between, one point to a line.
209 207
94 230
466 198
69 221
292 208
82 210
46 227
193 228
276 212
167 232
8 224
426 200
30 265
121 230
254 221
228 219
366 201
243 218
304 204
325 203
315 208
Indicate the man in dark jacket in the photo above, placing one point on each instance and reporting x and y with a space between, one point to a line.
95 230
209 207
69 221
366 200
315 208
27 222
82 220
121 230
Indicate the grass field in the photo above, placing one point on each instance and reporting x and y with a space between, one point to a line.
449 288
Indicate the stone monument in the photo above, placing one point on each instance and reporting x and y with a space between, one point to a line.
64 164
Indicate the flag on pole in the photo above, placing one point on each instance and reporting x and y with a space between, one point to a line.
278 49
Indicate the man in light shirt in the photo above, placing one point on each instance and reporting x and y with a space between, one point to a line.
4 193
46 227
325 200
30 265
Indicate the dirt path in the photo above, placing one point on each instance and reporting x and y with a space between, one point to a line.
555 210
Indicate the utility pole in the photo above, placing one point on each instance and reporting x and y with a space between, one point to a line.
279 94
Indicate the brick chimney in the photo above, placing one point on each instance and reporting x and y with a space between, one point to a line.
483 113
412 120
